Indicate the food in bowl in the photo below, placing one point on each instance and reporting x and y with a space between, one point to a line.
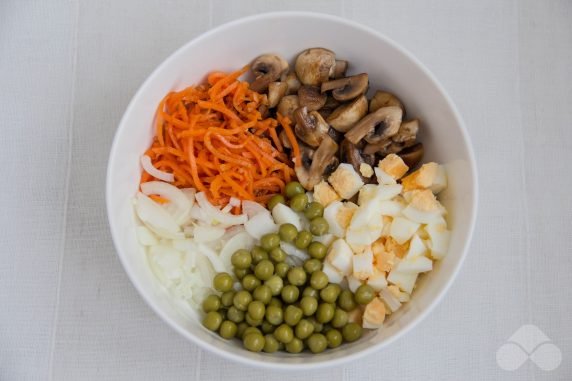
291 209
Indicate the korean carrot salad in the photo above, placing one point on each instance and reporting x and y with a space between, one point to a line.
292 212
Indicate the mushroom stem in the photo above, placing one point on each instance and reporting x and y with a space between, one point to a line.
347 88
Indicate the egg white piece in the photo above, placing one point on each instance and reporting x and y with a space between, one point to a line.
363 265
383 177
340 256
377 281
353 283
334 276
415 265
282 214
416 247
330 215
405 281
439 237
403 229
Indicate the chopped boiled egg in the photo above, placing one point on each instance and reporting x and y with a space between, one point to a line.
424 207
439 237
367 193
394 166
402 229
391 208
392 246
405 281
386 226
353 283
363 265
340 256
384 260
383 178
325 194
334 276
390 300
374 314
345 181
355 316
339 215
377 281
415 265
416 247
366 170
430 175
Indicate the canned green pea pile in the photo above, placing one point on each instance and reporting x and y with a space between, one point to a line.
279 307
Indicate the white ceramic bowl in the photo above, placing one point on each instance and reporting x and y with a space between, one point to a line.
390 67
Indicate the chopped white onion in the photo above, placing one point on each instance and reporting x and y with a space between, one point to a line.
178 206
150 169
215 215
241 240
252 208
293 251
203 234
156 217
260 224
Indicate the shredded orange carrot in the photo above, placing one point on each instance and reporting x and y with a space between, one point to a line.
159 199
213 138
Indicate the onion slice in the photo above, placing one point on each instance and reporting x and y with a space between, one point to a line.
150 169
178 206
217 215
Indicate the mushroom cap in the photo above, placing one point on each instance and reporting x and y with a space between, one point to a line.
293 83
276 90
377 126
311 128
329 107
322 160
412 155
347 115
315 65
287 105
407 131
384 99
340 69
311 97
347 88
267 68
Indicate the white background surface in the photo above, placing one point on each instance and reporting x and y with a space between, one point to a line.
68 70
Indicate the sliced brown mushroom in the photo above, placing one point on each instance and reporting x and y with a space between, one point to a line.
276 90
382 148
412 155
315 164
284 139
264 111
377 126
331 167
267 68
329 107
337 136
311 128
384 99
350 154
347 88
347 115
340 69
407 132
315 65
292 81
311 97
287 105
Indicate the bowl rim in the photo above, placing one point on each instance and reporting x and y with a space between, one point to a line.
328 362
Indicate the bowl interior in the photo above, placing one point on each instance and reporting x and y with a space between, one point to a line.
230 47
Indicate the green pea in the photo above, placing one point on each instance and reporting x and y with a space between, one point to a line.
295 346
292 315
253 342
325 312
264 269
351 332
275 200
312 265
317 250
258 254
212 320
235 315
256 310
293 188
222 282
250 282
241 273
270 241
276 302
310 291
309 305
240 329
317 343
275 283
318 280
284 333
211 303
251 321
223 313
241 259
297 276
334 338
290 293
266 327
318 327
262 293
250 331
313 210
303 239
298 203
319 226
364 294
227 329
346 301
242 299
340 318
281 269
330 293
271 345
226 298
304 329
277 255
287 232
274 315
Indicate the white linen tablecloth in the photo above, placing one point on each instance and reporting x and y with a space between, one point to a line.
68 70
